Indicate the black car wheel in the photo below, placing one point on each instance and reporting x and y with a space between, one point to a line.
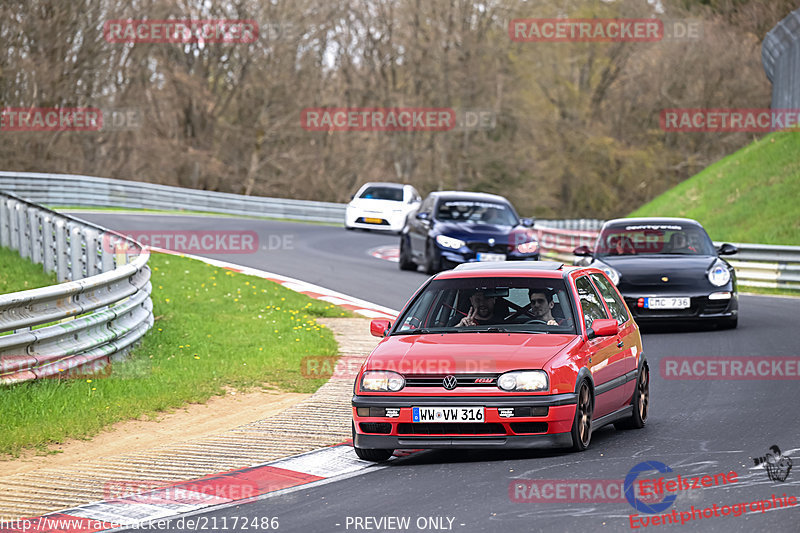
375 456
432 265
641 402
405 256
582 425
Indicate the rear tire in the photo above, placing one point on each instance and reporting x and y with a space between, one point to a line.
582 424
376 456
405 258
641 402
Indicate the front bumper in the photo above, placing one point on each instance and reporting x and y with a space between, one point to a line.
389 221
700 308
537 421
465 255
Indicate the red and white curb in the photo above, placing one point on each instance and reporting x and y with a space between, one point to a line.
387 253
357 305
234 487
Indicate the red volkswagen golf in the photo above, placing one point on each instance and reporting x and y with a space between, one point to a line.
513 354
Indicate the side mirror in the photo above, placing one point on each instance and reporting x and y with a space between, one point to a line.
603 327
527 222
353 196
583 251
423 216
727 249
379 327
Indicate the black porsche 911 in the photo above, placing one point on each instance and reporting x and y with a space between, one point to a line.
454 227
667 269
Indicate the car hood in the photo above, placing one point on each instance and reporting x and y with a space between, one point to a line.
648 270
479 353
373 204
471 232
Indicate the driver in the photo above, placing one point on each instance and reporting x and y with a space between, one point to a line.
481 312
542 307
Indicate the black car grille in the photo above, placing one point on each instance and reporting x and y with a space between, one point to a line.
463 380
483 247
529 427
450 429
714 307
375 427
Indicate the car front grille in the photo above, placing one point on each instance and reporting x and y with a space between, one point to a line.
375 427
483 247
529 427
430 428
462 380
714 307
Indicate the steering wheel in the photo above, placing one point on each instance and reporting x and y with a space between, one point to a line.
535 321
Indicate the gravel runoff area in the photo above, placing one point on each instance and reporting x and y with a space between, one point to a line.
321 420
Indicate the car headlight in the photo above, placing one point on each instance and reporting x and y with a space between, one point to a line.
528 247
612 273
449 242
719 274
523 380
382 381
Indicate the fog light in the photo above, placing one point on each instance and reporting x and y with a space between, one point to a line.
362 411
719 296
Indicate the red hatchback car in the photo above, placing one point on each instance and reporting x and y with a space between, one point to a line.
513 354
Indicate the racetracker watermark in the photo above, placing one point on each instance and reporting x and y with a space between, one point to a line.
565 30
159 492
724 120
331 366
378 119
20 119
196 241
180 31
736 368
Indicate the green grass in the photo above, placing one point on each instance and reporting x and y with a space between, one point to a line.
214 329
18 274
750 196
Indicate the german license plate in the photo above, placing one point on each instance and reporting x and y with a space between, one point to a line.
373 220
491 257
447 414
667 303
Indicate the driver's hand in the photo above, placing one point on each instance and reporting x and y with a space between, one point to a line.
468 320
552 322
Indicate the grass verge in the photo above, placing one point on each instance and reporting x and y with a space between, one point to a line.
214 329
18 274
748 196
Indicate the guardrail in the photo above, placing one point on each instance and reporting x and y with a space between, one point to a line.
756 265
89 191
98 312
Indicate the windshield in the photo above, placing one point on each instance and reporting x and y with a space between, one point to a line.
654 239
394 194
513 305
474 212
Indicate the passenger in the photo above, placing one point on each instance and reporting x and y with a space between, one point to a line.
481 312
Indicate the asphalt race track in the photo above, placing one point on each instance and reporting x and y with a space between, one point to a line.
696 427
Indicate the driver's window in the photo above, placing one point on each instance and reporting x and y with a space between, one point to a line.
591 305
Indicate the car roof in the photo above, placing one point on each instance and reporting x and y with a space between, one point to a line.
464 195
540 269
384 184
651 220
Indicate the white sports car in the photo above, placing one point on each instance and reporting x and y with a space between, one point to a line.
382 206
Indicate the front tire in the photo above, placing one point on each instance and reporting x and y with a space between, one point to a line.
582 424
641 402
405 257
432 266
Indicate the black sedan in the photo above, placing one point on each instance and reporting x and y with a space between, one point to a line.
451 228
667 269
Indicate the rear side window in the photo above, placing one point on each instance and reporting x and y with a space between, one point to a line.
612 299
590 302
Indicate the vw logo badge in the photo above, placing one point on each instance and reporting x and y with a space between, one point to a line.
449 382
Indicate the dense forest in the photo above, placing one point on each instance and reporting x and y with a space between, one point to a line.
573 129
